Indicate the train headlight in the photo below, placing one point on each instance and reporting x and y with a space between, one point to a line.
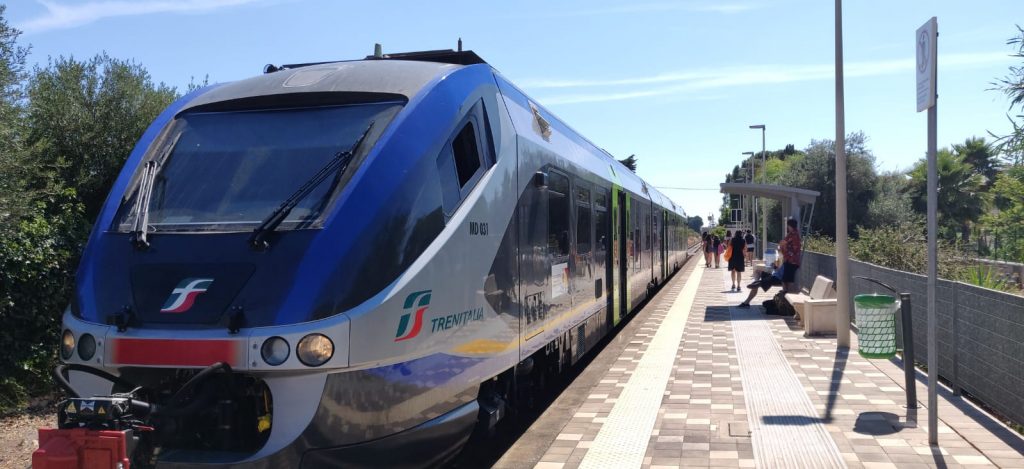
86 347
314 350
67 344
275 351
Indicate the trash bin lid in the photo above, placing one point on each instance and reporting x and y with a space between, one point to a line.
874 300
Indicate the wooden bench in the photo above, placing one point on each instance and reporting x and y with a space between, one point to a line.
816 308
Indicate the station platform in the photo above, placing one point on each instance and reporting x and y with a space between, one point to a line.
694 381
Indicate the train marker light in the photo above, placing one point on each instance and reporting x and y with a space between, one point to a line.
67 344
86 347
275 351
314 350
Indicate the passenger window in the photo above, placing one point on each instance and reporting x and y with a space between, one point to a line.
467 153
558 215
582 220
601 229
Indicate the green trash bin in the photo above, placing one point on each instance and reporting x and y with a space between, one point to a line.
876 325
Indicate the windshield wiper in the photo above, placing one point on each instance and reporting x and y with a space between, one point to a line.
339 163
140 228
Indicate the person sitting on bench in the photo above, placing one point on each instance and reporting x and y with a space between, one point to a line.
765 282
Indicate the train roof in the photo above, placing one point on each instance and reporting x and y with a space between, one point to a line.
396 77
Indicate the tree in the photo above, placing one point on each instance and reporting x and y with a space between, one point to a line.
65 135
695 222
1013 83
13 199
978 153
629 162
891 206
815 170
1012 145
961 198
85 118
1007 219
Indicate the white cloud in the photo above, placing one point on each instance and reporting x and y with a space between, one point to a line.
705 79
62 16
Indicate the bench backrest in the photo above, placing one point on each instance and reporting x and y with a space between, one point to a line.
822 289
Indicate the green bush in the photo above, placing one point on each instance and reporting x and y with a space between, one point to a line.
38 258
901 248
986 276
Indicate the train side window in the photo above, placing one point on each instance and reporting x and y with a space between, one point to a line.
600 222
582 220
449 185
464 158
466 153
558 214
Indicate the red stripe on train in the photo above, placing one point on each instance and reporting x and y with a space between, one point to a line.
174 352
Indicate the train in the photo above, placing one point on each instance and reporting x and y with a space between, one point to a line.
354 263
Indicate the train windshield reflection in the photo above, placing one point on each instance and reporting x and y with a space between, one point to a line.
228 170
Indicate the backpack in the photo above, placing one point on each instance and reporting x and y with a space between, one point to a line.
778 306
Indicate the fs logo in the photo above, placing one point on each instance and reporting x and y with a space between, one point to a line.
405 332
184 295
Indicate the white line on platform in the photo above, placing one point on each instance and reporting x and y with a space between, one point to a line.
622 441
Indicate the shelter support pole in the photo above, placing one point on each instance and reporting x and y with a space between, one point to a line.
842 243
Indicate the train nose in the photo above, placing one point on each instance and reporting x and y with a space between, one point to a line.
178 293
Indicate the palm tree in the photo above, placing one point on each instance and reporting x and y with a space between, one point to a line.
978 153
629 162
961 197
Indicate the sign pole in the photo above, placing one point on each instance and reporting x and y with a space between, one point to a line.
927 77
933 362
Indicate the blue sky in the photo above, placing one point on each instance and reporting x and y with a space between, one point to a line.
676 83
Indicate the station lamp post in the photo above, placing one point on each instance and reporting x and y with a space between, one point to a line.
750 178
764 180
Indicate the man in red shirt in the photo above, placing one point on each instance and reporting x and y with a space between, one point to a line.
791 252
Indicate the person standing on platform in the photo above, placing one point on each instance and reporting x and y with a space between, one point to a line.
791 249
737 243
705 247
716 244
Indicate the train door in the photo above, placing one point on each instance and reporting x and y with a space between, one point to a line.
582 261
559 249
534 271
603 252
662 244
637 281
620 256
658 260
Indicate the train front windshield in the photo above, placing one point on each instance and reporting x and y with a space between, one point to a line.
227 171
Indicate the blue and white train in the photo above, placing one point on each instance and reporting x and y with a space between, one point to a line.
355 263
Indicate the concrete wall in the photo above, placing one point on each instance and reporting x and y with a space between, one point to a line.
980 331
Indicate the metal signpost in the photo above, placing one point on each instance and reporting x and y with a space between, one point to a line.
926 44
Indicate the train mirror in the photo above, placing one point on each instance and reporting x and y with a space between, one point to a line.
540 180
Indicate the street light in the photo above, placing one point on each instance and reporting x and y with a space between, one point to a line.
764 180
750 178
